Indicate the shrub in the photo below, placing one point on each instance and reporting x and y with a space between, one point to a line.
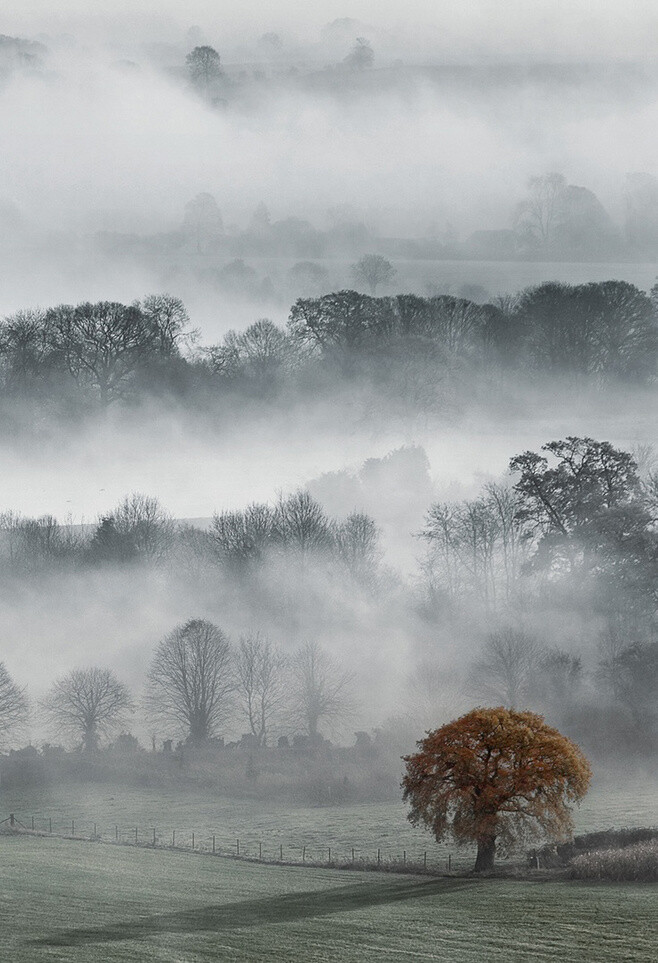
562 854
638 863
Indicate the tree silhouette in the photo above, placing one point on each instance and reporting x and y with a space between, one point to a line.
373 270
260 682
88 704
361 56
320 690
190 679
13 704
495 776
538 215
204 66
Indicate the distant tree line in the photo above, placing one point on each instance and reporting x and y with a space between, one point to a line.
198 684
548 579
408 347
555 221
574 533
295 533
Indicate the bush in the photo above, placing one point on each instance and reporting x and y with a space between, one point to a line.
557 855
638 863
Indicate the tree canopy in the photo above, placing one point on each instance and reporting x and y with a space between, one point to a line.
13 704
495 777
88 704
190 679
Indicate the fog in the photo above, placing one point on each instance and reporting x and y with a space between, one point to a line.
123 176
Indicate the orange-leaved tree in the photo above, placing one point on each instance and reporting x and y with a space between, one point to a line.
495 776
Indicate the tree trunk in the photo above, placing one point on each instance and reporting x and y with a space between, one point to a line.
486 853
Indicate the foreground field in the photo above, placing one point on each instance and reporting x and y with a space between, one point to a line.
83 902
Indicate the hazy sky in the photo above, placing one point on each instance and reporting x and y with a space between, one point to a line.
546 28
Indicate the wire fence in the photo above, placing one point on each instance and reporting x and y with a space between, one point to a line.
250 848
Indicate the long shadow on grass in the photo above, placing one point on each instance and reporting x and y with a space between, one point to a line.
256 912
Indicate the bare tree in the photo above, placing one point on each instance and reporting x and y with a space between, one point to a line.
301 525
507 672
146 525
240 539
476 548
88 704
26 352
190 679
320 691
538 216
102 344
13 705
560 678
169 318
31 545
257 356
373 270
261 685
357 545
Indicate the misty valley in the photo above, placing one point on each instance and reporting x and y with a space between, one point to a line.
329 515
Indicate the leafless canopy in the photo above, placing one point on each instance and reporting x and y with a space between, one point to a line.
190 679
13 704
260 683
88 704
509 666
320 689
145 522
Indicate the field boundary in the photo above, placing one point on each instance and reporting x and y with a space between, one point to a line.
249 850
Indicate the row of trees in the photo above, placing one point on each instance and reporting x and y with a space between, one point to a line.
578 522
573 540
515 668
100 348
198 683
605 332
295 532
568 550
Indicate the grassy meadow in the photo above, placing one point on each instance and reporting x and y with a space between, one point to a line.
81 903
366 827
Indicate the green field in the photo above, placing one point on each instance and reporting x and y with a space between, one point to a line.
76 901
366 827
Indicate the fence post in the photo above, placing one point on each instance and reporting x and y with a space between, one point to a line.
260 850
173 839
116 833
281 852
213 844
95 833
449 862
425 860
33 822
304 854
404 857
50 825
329 860
72 827
135 835
11 820
154 837
379 856
237 844
352 854
192 840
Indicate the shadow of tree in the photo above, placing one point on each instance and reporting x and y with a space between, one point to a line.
257 912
